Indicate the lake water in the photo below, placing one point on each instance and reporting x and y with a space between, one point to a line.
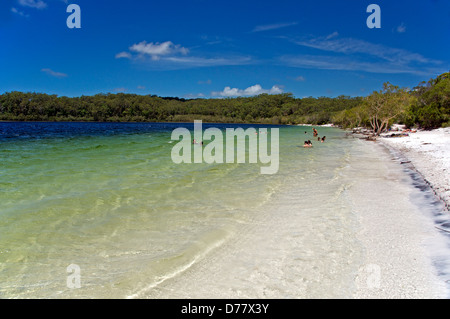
107 198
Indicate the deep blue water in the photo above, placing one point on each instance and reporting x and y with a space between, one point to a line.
30 130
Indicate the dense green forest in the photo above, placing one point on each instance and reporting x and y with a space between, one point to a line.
265 108
427 105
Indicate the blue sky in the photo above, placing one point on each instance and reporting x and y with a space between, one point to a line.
208 48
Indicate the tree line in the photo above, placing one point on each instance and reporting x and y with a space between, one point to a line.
427 105
264 108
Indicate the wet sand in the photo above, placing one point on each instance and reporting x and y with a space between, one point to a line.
376 239
405 254
429 153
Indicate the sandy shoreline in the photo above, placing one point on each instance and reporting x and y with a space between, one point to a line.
429 152
401 254
406 257
407 249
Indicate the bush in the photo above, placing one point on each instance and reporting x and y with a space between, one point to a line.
429 117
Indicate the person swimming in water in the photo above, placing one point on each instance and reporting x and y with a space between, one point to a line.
308 143
323 139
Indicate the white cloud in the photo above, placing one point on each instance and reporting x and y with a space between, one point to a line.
38 4
332 35
356 54
267 27
54 73
194 96
14 10
188 62
252 90
356 46
300 79
401 28
347 63
156 50
126 55
141 87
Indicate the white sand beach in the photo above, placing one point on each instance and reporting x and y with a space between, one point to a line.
385 247
429 152
404 248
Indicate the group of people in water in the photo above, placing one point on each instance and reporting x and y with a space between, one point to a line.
195 142
308 143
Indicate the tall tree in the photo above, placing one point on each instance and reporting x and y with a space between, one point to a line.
385 105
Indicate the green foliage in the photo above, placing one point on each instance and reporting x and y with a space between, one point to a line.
385 106
430 116
265 108
354 117
432 108
427 105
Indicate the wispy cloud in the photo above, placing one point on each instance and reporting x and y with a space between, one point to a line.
274 26
401 28
205 82
250 91
18 12
54 73
126 55
38 4
346 63
356 46
206 62
332 35
356 54
214 39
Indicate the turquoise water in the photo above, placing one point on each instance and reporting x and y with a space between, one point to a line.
108 198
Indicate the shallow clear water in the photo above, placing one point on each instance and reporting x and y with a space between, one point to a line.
108 198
